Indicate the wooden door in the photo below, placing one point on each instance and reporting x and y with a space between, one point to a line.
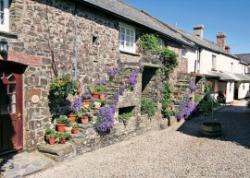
11 122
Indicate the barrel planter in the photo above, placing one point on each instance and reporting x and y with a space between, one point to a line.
211 129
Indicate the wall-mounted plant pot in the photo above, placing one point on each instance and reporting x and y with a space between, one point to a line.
60 128
95 95
72 118
85 120
211 129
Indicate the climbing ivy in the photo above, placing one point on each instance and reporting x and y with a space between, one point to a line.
166 101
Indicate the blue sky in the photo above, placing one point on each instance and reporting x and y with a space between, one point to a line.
229 16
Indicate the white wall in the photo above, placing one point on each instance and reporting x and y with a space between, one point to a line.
191 55
230 92
243 90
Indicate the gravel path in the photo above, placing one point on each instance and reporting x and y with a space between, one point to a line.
170 153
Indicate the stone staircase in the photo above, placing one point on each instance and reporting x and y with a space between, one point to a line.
182 92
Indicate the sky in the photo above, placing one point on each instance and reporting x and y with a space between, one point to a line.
229 16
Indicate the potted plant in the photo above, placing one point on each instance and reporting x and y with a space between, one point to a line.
97 90
63 137
51 136
83 116
75 129
61 123
69 127
210 128
76 106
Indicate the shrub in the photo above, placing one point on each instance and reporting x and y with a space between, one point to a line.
169 61
166 101
207 105
124 117
149 42
148 107
60 88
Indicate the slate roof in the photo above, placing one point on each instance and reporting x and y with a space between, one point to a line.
226 76
119 8
137 16
244 58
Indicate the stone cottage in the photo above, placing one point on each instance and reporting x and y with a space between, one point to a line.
39 39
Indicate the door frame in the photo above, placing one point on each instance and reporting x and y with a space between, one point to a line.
18 70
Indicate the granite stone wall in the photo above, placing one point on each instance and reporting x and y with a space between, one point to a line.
57 33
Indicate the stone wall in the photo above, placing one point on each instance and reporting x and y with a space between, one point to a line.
52 32
49 30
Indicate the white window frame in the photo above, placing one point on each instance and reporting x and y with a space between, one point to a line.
4 26
123 42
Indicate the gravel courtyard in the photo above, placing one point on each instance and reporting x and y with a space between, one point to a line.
170 153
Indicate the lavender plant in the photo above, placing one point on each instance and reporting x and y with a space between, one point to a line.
112 72
76 105
132 80
186 110
193 87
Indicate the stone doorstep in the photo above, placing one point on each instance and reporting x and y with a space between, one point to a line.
57 150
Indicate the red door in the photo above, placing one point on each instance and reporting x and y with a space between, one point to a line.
11 122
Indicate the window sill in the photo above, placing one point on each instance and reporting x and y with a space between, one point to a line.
129 53
8 34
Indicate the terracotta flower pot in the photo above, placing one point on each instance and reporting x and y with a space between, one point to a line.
102 97
95 95
62 141
75 131
85 120
52 141
72 118
68 129
60 128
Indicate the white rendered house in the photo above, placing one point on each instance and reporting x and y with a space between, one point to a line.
214 61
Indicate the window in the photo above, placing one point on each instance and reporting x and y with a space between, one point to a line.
127 38
184 52
214 65
4 15
161 43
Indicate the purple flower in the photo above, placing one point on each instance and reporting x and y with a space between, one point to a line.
132 80
122 89
113 71
187 109
193 87
101 82
77 103
106 116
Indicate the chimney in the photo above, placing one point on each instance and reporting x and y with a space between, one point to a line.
227 49
199 31
221 40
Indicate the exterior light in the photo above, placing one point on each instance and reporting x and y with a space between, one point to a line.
3 47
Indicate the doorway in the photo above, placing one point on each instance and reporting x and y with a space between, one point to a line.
11 107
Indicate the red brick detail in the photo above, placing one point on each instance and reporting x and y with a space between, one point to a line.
24 58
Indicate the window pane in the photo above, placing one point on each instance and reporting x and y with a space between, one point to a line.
1 12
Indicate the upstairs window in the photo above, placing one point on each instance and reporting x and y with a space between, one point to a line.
161 43
214 65
4 15
127 38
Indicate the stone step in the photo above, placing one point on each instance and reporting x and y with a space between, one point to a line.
57 152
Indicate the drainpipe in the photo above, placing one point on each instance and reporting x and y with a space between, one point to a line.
75 50
199 60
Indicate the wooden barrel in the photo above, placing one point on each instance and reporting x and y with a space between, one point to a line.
211 129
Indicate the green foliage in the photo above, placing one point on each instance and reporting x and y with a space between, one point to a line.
64 136
82 113
149 42
50 133
207 105
124 117
98 88
60 88
197 98
169 61
166 101
62 120
148 107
